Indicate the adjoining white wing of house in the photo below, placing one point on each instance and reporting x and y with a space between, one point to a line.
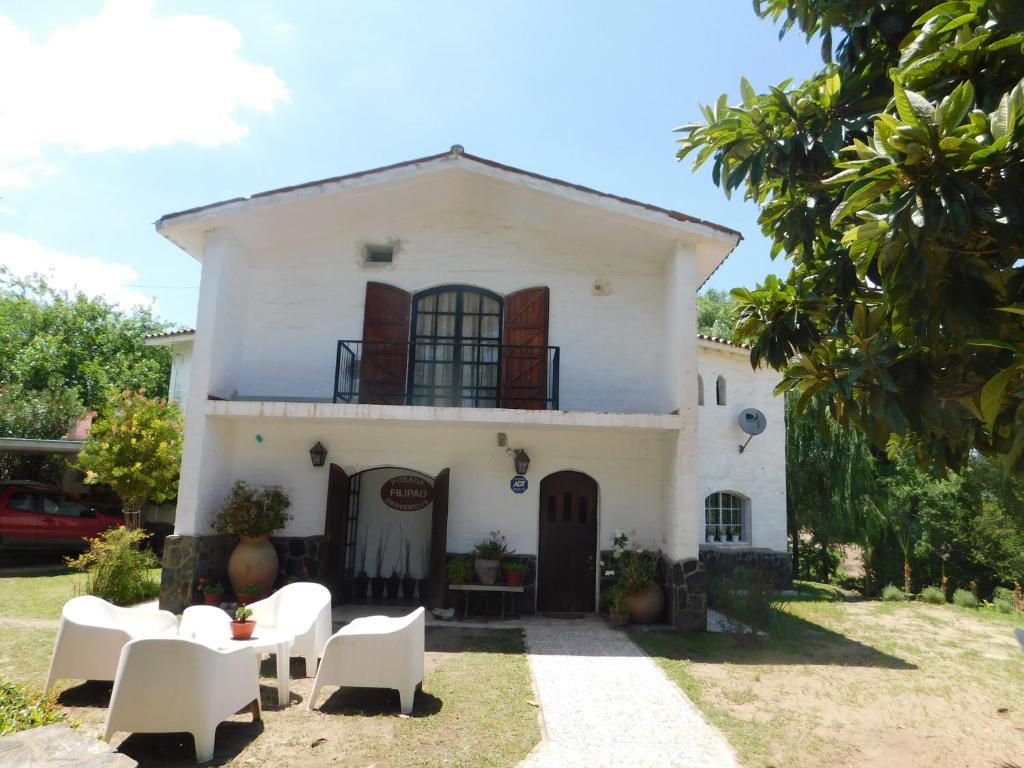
476 348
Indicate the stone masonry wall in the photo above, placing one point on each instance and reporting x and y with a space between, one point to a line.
721 561
687 588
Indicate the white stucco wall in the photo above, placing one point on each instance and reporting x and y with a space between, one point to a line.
304 297
181 370
759 473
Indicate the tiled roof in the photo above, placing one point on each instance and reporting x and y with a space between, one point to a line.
716 340
169 334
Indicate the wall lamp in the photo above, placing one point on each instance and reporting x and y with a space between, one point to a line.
520 457
318 454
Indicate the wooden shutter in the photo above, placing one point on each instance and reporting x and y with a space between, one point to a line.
524 372
439 541
384 364
335 546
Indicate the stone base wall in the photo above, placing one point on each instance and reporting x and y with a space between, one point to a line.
721 561
687 594
299 557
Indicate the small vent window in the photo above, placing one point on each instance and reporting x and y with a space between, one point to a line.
379 254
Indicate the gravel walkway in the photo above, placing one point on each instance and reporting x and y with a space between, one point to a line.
606 703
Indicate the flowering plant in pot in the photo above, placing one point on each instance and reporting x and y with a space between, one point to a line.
252 514
488 555
618 611
242 627
250 593
514 570
636 567
460 570
213 591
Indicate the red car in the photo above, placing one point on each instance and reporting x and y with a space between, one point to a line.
37 516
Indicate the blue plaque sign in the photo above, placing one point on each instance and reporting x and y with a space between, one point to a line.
519 484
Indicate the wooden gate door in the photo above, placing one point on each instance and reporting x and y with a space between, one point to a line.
439 541
567 555
335 546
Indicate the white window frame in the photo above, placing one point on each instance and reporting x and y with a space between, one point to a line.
722 520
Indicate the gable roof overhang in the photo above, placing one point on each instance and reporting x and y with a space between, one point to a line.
712 242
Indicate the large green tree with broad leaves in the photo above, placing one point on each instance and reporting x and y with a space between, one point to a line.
716 314
893 179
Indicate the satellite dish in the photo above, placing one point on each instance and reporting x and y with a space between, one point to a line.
752 421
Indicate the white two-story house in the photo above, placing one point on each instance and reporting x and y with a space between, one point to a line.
476 348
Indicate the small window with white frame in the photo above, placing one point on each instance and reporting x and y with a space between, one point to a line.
378 255
725 518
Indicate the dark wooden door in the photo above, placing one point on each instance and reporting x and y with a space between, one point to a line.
385 354
335 546
567 555
439 541
524 358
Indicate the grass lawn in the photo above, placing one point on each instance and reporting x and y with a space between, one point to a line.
475 708
860 684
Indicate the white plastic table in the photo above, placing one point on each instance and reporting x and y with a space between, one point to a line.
265 640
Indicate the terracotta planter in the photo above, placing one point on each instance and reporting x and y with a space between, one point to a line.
213 598
514 578
242 630
645 606
246 599
487 570
618 620
254 561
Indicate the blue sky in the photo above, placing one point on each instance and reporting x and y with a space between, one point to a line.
123 110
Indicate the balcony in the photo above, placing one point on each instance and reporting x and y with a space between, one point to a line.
464 374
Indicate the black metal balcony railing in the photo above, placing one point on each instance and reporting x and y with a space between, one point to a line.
466 374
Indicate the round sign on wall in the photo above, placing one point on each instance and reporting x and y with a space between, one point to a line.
407 493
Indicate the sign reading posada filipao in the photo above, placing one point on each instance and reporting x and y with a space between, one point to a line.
407 493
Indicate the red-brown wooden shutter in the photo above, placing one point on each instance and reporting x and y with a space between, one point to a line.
335 546
438 578
382 372
524 371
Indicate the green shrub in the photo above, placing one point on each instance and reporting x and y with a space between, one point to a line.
964 599
21 710
1002 600
893 594
932 595
117 567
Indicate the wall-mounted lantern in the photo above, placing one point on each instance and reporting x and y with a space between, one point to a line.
318 454
522 461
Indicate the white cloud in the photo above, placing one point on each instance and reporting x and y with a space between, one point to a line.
68 272
125 79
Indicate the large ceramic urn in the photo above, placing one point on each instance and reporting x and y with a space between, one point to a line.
645 606
254 561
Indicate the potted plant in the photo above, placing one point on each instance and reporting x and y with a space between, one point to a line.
253 514
514 570
488 555
361 580
242 627
378 581
408 582
636 567
618 611
213 591
250 593
460 570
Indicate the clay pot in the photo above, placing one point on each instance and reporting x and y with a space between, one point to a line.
254 561
213 598
514 578
242 630
487 570
645 606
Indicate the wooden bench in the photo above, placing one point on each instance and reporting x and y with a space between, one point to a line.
468 589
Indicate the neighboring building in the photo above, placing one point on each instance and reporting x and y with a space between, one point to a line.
421 320
180 342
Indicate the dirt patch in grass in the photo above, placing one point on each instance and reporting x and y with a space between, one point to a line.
859 685
474 710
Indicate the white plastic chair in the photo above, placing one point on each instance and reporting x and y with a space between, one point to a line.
92 633
174 685
302 609
375 652
205 623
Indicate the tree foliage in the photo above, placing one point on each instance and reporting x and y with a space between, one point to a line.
135 448
54 340
893 179
45 414
716 314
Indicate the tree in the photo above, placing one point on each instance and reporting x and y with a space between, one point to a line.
894 181
45 414
135 448
50 339
715 314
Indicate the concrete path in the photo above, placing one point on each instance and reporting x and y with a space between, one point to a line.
606 703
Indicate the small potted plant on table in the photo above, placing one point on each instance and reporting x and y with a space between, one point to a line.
460 571
213 591
514 570
242 627
488 555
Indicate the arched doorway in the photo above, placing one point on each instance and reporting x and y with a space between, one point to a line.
377 509
567 549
